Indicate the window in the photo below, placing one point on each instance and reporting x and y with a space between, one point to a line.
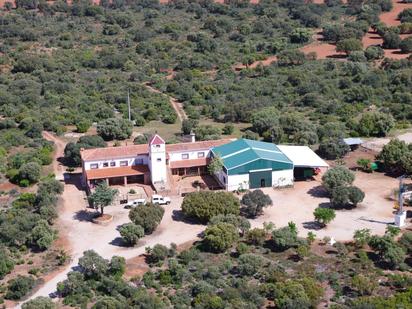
105 164
200 154
157 146
159 159
224 179
94 166
124 163
113 163
185 156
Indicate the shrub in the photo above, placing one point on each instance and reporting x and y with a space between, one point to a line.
204 205
388 250
42 235
39 303
106 302
6 263
406 45
343 196
374 53
249 264
254 202
349 45
361 237
391 40
285 238
324 215
18 287
228 129
392 155
82 126
363 285
406 241
157 254
131 233
220 237
339 176
147 216
239 222
256 236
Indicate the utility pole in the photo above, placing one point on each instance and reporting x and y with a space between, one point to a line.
128 104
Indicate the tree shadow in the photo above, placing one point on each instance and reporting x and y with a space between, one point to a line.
177 215
118 242
326 205
85 216
318 191
312 225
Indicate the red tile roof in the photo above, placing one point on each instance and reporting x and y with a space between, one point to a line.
156 140
189 163
117 171
109 153
114 152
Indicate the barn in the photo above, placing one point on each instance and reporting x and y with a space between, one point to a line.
249 164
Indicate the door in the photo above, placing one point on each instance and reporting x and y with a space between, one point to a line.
260 179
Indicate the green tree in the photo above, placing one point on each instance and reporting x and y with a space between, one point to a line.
114 128
93 265
83 126
375 124
228 129
256 236
72 150
392 155
254 202
204 205
215 165
338 176
42 235
239 222
324 215
109 302
363 285
220 237
349 45
388 250
391 40
157 254
131 233
30 172
6 262
332 149
102 196
147 216
361 237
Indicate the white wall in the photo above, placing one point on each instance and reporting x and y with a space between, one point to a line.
141 159
236 182
177 156
282 178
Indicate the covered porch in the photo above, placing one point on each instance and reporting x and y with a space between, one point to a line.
194 167
119 176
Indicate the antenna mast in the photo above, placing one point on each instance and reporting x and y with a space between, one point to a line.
128 103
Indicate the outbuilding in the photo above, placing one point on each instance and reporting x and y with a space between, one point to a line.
249 164
306 162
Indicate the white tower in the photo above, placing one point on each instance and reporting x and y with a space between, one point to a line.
157 159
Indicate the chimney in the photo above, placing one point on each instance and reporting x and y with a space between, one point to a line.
192 137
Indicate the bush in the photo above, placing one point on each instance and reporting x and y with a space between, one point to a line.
30 172
220 237
42 235
108 302
406 241
6 263
19 287
349 45
391 40
131 233
374 53
147 216
344 196
339 176
39 303
93 265
324 215
406 45
285 238
239 222
388 250
157 254
204 205
393 155
83 126
256 236
254 202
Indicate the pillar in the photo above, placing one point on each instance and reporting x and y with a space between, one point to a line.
125 180
107 181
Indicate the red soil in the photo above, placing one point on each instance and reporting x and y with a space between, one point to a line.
322 49
391 18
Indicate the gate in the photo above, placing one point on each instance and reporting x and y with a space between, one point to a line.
260 179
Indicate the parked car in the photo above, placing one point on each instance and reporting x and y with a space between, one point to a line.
134 203
160 200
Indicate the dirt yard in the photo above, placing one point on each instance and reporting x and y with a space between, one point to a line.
298 203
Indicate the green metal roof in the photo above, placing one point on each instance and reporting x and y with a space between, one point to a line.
245 151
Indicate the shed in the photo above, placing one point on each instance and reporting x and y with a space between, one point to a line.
304 159
353 142
253 164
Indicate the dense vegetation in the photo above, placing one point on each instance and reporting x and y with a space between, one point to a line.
264 267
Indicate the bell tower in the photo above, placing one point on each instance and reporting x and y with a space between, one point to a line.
157 159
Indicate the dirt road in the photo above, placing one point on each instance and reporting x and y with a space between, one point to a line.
177 105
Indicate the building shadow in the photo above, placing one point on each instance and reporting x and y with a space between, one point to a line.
74 179
376 221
